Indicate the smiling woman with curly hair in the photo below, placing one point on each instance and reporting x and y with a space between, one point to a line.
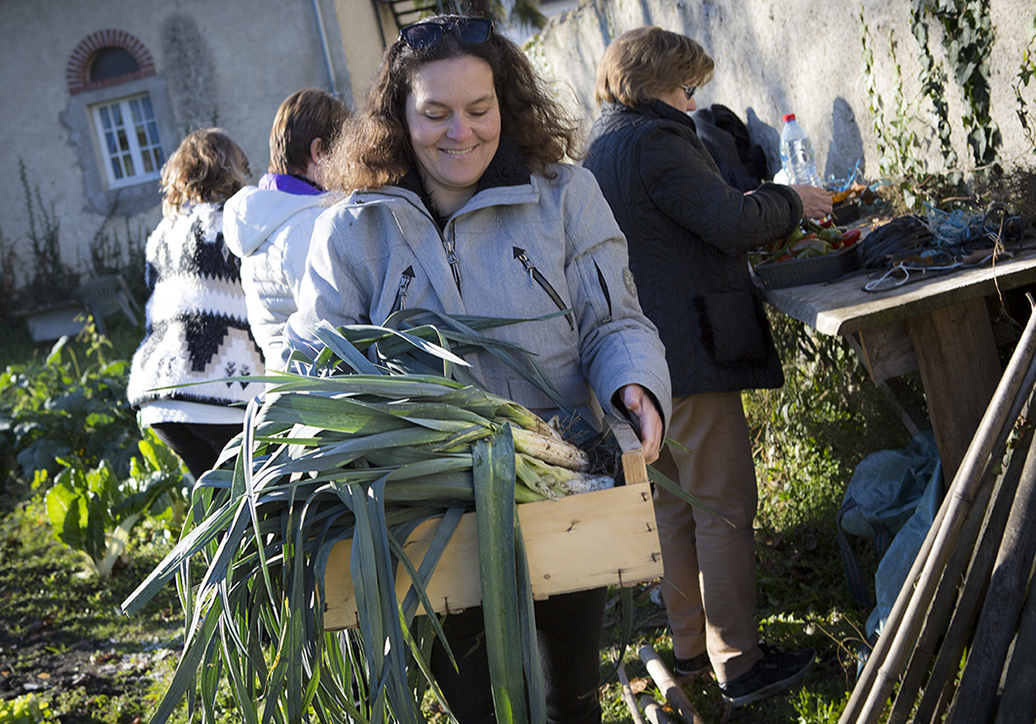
459 204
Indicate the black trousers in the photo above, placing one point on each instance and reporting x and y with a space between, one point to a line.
197 445
569 636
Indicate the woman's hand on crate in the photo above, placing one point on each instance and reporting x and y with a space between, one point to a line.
641 406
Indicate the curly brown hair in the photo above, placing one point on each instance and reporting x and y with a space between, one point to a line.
208 167
375 149
642 64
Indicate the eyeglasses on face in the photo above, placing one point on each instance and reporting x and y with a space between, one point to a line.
689 90
428 34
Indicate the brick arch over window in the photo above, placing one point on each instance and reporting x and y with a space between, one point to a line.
79 63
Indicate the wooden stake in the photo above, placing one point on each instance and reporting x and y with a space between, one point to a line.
957 634
669 686
627 695
998 622
653 711
886 662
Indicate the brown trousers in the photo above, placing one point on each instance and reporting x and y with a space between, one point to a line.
709 580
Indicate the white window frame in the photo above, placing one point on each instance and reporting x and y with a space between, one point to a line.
129 138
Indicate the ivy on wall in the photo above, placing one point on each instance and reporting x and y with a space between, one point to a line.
968 39
966 33
894 120
933 84
1026 72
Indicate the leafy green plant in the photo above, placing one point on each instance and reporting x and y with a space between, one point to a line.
933 85
71 405
894 121
824 419
94 512
8 280
25 709
108 255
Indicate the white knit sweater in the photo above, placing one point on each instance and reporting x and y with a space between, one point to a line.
196 323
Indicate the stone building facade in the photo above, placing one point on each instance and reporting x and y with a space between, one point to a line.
97 93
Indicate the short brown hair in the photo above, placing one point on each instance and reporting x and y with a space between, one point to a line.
304 116
376 149
207 167
642 64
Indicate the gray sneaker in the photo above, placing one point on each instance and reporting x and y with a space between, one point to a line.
775 671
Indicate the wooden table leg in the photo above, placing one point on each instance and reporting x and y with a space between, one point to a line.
960 370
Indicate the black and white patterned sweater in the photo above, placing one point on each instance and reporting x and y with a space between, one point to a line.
196 326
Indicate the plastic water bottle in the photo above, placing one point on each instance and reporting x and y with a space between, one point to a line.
797 159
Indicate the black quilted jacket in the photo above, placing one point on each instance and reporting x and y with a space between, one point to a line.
688 234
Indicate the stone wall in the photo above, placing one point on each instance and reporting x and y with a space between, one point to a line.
806 57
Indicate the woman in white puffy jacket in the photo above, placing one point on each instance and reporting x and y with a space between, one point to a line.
269 227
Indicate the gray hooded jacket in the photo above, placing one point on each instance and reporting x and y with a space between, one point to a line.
518 251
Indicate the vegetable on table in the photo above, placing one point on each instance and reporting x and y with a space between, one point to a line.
808 239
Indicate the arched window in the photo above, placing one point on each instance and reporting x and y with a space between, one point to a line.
109 63
111 71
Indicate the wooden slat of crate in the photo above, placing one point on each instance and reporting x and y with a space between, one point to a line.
583 541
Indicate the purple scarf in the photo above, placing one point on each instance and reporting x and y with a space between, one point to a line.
289 184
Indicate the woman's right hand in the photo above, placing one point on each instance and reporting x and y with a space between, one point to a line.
816 202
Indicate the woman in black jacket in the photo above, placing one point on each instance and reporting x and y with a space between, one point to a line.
689 233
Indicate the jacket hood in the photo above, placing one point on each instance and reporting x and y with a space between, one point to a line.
253 214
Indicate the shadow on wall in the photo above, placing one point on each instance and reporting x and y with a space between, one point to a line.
767 138
846 143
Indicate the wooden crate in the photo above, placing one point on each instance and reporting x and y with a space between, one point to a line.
583 541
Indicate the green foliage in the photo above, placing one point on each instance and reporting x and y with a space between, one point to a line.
93 511
71 405
814 709
51 280
894 121
809 434
968 39
933 85
26 709
8 282
1026 72
109 256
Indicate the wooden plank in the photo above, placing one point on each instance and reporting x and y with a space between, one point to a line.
843 307
634 469
960 370
583 541
887 351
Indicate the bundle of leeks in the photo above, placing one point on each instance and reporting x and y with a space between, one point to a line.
366 455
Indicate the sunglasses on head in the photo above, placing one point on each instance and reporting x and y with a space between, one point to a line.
689 90
428 34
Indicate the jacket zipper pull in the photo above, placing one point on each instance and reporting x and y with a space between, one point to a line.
452 259
404 283
521 256
536 276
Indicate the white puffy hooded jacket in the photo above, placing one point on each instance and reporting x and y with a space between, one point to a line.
270 231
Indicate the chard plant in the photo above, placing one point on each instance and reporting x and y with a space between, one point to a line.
93 511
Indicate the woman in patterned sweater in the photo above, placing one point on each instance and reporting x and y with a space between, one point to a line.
197 327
